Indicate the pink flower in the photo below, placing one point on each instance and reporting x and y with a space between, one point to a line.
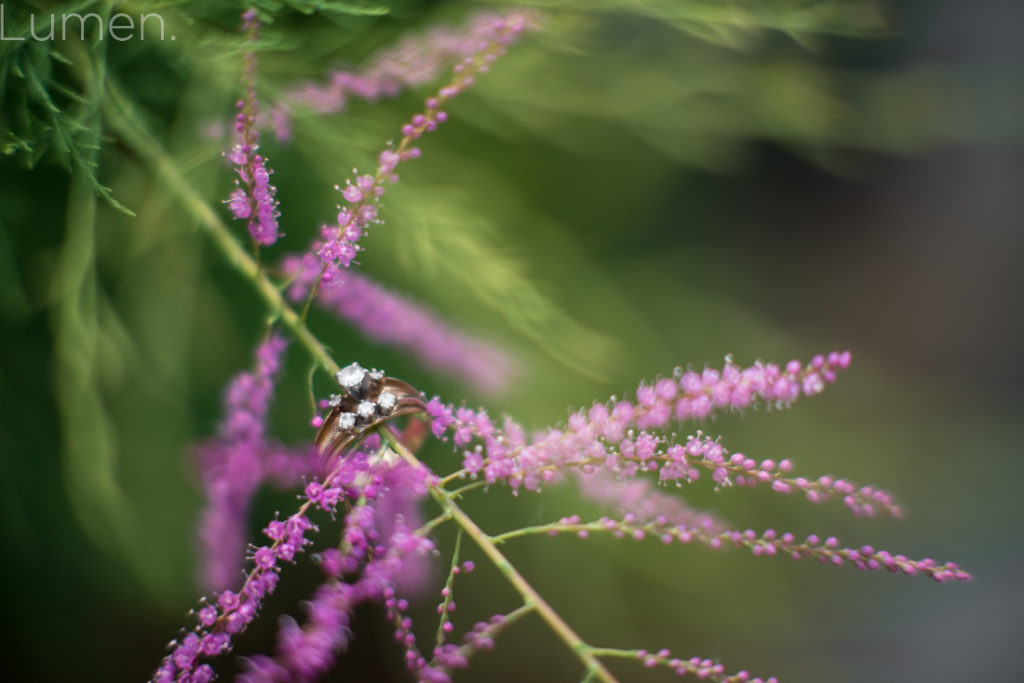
253 198
395 320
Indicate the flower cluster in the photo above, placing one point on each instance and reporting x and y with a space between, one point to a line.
231 612
305 652
370 542
339 243
382 535
253 198
641 499
247 399
413 61
687 395
701 668
447 657
237 461
617 435
232 474
766 544
391 319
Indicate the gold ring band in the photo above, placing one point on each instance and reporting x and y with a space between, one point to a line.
369 400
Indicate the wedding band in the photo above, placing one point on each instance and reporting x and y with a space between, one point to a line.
369 400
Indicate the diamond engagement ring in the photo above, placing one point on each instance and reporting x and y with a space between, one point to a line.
368 399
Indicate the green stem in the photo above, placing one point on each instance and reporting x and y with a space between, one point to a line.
492 629
458 493
516 614
439 638
118 111
528 593
614 652
313 291
432 524
314 408
676 664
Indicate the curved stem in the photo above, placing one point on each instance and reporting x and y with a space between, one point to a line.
309 387
699 667
431 525
313 291
439 638
493 629
458 493
118 111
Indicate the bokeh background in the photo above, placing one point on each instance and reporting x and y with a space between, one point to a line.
638 186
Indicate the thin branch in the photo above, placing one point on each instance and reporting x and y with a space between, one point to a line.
123 120
439 638
702 668
767 544
493 628
443 498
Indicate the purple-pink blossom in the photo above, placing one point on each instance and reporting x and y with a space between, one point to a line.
641 499
768 543
378 546
339 242
396 320
377 543
376 495
233 464
253 197
413 61
617 437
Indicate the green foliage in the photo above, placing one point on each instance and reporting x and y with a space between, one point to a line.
51 103
324 6
737 24
51 89
269 9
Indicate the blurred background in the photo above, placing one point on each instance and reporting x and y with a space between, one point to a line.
636 186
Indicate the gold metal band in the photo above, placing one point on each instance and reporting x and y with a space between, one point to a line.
370 400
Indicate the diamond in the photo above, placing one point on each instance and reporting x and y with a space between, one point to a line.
351 377
376 375
334 401
366 409
386 401
346 421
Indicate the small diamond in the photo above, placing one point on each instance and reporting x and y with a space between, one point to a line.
351 377
334 401
366 409
386 401
376 375
346 421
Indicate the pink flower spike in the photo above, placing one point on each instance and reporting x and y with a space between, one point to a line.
253 200
363 191
394 320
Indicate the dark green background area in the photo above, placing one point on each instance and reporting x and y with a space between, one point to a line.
615 199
